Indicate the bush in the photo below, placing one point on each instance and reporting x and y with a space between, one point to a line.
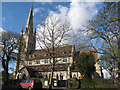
1 80
87 83
14 82
98 83
73 83
43 81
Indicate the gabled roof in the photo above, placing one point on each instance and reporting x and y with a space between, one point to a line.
65 51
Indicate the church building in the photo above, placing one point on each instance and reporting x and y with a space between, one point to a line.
36 63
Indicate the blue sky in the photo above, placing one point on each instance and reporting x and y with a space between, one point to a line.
15 14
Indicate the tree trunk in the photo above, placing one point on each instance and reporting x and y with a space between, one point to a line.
6 76
119 62
51 77
119 48
53 62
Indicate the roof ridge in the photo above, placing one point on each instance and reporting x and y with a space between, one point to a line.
56 47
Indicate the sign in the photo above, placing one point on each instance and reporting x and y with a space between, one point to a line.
55 83
46 83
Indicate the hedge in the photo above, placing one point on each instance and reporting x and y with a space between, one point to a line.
1 80
98 83
43 81
73 83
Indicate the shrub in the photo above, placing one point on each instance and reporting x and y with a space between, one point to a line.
87 83
1 80
15 82
73 83
43 81
98 83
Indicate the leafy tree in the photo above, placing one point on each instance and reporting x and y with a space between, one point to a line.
104 28
85 64
109 64
9 45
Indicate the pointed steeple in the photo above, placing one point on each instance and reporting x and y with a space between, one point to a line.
22 31
30 18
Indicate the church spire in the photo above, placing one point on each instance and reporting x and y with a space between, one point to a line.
30 18
22 31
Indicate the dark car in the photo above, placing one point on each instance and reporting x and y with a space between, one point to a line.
31 84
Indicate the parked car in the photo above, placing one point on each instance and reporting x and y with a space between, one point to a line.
31 84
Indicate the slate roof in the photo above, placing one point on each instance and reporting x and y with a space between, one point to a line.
65 51
47 68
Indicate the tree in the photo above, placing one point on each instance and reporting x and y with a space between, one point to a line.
9 45
85 64
109 64
104 28
19 47
51 34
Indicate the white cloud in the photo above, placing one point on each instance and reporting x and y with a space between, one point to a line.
55 21
1 31
80 13
36 10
